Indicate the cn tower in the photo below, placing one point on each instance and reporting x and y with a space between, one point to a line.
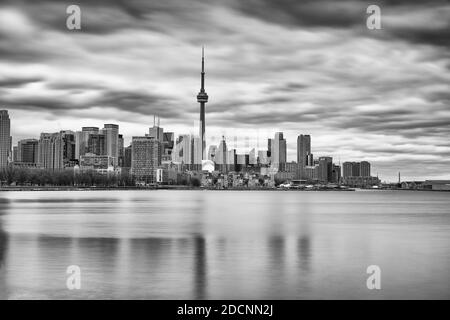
202 98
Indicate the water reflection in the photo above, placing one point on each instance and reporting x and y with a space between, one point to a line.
222 245
200 268
4 203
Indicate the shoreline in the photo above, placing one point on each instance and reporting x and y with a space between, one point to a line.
188 188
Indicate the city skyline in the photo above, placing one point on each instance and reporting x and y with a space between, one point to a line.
363 95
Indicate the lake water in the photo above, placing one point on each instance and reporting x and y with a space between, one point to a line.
224 244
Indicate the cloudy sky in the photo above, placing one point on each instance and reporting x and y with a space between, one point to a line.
308 67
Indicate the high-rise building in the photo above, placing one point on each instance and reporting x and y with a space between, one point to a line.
325 169
96 144
356 169
221 153
82 140
168 143
183 150
127 157
252 158
197 155
111 131
5 138
121 151
231 160
27 150
365 169
303 153
56 151
145 158
15 156
347 169
336 174
263 158
278 153
202 98
212 152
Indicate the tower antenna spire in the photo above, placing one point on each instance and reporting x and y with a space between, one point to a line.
202 98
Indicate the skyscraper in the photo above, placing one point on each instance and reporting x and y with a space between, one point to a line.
325 169
82 140
121 151
183 150
5 138
278 153
111 131
212 152
365 169
56 150
303 151
145 158
202 98
27 151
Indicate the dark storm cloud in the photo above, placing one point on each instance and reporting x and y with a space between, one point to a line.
12 82
352 15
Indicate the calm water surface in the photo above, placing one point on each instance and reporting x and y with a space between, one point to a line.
224 245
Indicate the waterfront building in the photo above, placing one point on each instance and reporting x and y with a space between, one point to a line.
278 152
325 169
111 132
56 151
303 153
81 140
145 158
27 151
5 138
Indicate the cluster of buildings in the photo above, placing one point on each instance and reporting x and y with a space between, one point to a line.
157 157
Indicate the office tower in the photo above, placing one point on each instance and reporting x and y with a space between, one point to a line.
81 140
312 173
303 152
269 147
356 169
242 160
183 150
221 153
347 169
325 169
5 138
197 154
156 131
15 156
231 160
310 160
168 143
336 174
145 158
365 169
278 153
212 152
96 144
252 158
202 98
111 132
127 157
121 151
263 158
303 149
27 150
56 151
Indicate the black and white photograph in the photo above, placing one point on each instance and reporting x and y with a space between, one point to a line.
224 150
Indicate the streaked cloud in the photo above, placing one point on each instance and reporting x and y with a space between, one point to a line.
293 66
